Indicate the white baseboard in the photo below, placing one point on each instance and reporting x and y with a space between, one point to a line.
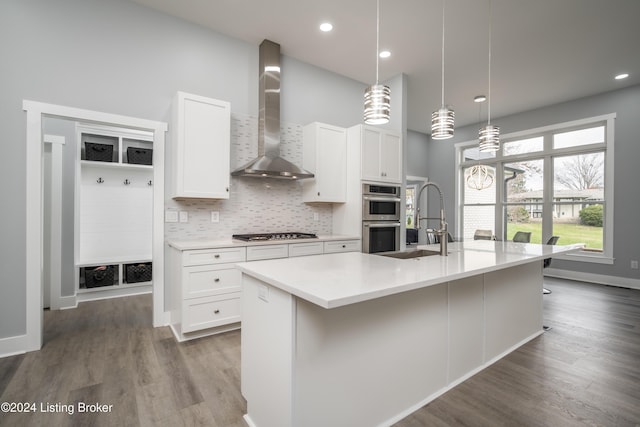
13 345
67 303
602 279
98 294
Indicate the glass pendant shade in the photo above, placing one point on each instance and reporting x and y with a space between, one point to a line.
442 123
479 178
377 104
489 138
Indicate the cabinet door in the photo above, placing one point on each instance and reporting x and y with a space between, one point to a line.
371 154
202 141
325 154
391 157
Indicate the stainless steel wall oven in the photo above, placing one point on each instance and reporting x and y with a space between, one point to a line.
381 206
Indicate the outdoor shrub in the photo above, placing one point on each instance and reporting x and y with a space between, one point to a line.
517 214
592 215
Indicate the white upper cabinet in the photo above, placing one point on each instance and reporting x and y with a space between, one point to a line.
325 155
199 153
381 155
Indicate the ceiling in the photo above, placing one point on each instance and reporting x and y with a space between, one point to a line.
543 51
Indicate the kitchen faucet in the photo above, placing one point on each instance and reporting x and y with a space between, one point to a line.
442 232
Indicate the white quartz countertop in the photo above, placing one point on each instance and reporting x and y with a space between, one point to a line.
194 244
336 280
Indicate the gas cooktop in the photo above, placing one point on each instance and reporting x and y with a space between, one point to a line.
273 236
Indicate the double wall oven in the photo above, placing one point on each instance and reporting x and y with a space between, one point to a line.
381 204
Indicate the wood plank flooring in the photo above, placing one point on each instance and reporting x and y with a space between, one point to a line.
584 371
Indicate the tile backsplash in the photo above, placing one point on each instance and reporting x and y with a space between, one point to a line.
255 205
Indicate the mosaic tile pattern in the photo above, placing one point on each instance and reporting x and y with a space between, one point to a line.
255 205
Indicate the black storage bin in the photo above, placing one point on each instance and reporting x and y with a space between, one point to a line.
98 152
134 273
139 156
95 277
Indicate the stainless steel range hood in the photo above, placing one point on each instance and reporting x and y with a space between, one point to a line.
269 164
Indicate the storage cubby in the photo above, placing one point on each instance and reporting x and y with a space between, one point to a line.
98 276
114 209
99 148
137 152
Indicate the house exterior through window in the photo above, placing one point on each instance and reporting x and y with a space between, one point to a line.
551 181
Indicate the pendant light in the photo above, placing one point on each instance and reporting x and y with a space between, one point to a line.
489 136
443 119
377 98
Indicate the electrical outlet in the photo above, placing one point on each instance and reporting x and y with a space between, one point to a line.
215 216
171 216
263 293
184 216
634 264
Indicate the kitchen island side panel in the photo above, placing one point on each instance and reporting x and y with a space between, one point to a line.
466 326
266 362
513 308
365 363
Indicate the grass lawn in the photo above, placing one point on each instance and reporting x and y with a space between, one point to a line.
569 233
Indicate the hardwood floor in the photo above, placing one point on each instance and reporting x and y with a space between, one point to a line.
584 371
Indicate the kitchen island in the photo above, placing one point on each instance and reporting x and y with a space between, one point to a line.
355 339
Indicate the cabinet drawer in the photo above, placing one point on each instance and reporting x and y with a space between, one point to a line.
342 246
202 280
214 256
301 249
255 253
209 312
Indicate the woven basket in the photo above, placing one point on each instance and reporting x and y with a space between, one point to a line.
98 152
140 156
95 277
135 273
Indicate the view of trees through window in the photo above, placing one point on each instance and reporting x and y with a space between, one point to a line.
554 186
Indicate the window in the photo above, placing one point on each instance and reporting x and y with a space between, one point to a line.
552 181
410 201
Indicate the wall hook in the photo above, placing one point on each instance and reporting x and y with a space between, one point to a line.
100 180
127 182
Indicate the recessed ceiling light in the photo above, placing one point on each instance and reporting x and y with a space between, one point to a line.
385 54
326 27
622 76
480 98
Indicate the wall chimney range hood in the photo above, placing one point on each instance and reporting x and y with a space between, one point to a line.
269 164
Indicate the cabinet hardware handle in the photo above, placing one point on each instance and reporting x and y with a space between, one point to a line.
217 279
100 180
216 256
150 183
216 311
318 193
344 246
227 189
127 182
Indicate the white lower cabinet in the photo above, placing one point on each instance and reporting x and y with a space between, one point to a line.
303 249
256 253
209 312
336 246
206 290
206 287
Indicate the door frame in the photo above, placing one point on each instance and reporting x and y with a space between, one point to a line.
34 206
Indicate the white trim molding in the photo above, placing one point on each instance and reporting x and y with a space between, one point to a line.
12 346
601 279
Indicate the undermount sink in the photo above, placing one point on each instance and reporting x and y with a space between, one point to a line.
411 253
